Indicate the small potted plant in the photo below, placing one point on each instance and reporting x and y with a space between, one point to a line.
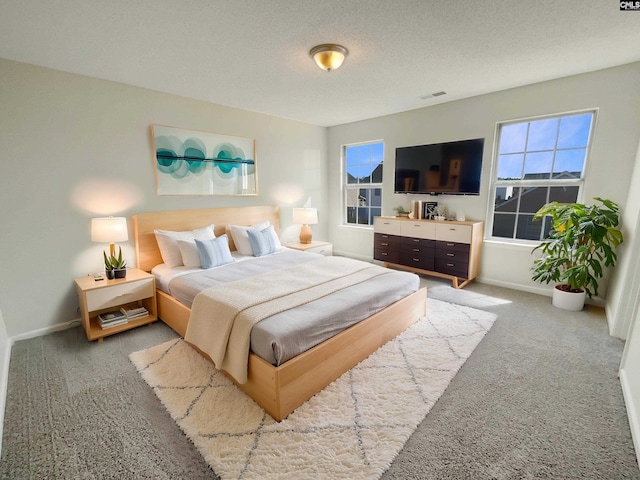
580 244
401 212
440 213
115 267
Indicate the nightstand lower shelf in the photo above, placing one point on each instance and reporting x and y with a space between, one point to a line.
96 332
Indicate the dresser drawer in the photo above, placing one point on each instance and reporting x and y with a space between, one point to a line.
386 225
408 242
451 232
423 260
418 229
452 267
453 255
117 295
386 255
453 247
387 242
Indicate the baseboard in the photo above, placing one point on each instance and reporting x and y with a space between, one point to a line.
632 412
44 331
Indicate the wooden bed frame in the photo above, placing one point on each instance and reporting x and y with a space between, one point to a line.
279 390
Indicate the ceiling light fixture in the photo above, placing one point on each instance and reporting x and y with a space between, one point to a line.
329 56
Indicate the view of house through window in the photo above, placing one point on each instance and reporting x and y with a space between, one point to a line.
538 161
363 182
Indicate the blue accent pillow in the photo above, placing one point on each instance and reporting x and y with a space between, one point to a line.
264 242
214 253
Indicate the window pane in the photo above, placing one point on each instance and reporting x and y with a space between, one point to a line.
351 154
503 225
351 214
533 198
364 154
510 166
376 153
352 174
363 197
563 194
363 216
513 138
542 134
376 173
506 199
364 174
574 131
528 229
376 197
537 165
352 197
569 163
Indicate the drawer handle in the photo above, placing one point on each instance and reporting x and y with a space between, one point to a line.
415 240
451 244
416 259
451 265
124 294
451 255
384 244
384 254
416 249
452 229
386 223
385 236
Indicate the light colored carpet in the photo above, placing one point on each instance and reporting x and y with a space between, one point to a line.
353 429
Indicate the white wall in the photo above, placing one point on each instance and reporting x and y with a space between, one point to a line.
74 147
613 92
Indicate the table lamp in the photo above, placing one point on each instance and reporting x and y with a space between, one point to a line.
305 216
109 230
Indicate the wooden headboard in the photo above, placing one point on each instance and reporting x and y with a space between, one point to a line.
147 252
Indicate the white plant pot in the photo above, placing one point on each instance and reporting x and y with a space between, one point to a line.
568 300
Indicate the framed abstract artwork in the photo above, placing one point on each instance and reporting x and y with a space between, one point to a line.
189 162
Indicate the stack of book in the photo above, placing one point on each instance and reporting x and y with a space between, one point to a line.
112 319
134 311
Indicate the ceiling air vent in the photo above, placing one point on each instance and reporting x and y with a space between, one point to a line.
431 95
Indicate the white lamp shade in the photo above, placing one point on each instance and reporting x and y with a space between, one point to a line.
305 216
109 229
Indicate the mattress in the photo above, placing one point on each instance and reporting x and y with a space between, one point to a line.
285 335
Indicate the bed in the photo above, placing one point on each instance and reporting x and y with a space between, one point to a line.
279 389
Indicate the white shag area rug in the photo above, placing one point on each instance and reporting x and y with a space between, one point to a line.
353 429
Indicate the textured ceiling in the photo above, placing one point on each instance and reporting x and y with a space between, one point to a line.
253 54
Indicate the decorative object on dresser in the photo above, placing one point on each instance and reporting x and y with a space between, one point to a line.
306 217
400 211
323 248
102 303
581 243
448 249
110 230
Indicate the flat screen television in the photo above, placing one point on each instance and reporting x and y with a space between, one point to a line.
451 168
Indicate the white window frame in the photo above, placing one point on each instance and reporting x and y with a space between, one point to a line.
523 184
352 186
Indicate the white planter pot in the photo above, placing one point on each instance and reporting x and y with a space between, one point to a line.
568 300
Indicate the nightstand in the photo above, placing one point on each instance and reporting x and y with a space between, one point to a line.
102 296
323 248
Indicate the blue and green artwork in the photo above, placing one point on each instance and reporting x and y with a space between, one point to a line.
201 163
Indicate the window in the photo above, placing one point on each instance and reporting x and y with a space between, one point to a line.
363 182
537 162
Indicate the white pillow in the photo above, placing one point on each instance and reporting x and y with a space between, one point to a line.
189 253
241 237
167 243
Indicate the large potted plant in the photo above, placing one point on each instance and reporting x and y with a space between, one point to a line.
115 267
580 245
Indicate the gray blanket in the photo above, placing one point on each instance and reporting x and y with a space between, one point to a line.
287 334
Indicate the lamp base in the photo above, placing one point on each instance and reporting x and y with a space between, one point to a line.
305 234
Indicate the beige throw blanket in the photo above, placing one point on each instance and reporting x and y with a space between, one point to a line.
222 316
